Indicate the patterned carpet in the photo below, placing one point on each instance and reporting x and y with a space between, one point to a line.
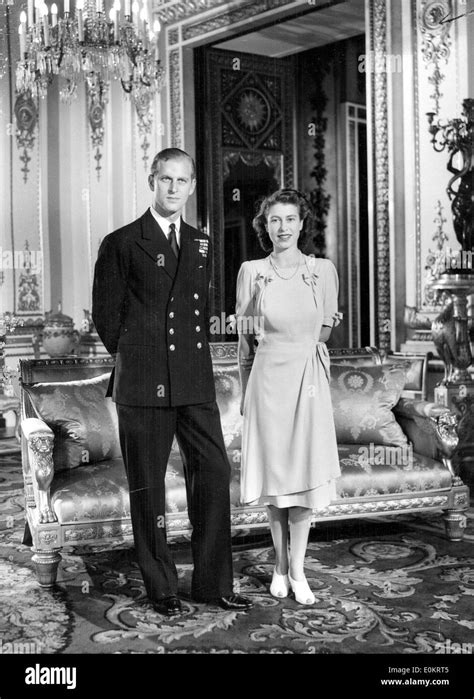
392 586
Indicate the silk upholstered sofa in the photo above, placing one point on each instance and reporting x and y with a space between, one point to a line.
75 483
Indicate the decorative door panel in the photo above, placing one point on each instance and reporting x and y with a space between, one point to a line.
245 152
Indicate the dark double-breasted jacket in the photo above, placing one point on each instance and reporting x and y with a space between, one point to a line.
150 310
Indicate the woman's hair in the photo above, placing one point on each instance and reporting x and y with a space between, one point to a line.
282 196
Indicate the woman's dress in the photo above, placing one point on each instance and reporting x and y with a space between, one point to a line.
289 449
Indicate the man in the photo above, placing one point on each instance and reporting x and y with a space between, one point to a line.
150 293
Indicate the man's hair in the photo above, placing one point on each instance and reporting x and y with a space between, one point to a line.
172 154
283 196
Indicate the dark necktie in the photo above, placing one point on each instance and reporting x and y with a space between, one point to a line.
172 239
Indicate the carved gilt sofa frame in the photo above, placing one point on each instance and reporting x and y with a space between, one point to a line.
430 429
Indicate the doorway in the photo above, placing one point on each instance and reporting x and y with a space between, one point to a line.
246 151
253 123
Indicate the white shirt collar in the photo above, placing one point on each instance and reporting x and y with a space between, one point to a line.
164 224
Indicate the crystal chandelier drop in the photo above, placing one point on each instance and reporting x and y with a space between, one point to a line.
91 42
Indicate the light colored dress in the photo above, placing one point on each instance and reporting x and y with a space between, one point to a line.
289 449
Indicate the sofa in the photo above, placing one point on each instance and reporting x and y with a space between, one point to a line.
395 451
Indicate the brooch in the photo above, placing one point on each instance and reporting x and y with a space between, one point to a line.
310 278
264 279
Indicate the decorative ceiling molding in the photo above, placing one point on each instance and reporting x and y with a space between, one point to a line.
198 17
171 11
233 16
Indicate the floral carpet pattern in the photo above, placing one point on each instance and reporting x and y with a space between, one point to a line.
392 585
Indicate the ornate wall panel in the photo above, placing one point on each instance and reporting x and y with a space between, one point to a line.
439 84
21 253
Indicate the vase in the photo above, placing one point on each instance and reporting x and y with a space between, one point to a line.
59 336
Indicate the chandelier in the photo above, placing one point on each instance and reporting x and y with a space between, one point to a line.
92 42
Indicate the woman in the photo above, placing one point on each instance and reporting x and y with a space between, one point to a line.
287 302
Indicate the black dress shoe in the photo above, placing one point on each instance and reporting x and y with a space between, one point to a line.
236 602
169 606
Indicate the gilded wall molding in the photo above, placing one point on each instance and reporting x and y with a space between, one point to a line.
176 97
381 184
416 121
173 36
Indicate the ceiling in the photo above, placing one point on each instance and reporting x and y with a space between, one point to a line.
313 29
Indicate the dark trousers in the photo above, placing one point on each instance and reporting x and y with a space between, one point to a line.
146 436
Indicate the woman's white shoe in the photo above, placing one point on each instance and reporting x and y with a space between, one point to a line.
302 591
280 586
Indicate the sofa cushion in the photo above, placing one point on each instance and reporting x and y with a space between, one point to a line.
363 398
83 420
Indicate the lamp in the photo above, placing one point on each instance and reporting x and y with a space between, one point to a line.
456 136
104 41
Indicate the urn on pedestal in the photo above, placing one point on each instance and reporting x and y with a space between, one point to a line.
455 282
59 336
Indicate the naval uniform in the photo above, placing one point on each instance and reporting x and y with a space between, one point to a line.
150 310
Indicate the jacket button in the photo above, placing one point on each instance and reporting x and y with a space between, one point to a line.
199 345
172 299
172 348
196 312
198 328
171 314
196 296
171 331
